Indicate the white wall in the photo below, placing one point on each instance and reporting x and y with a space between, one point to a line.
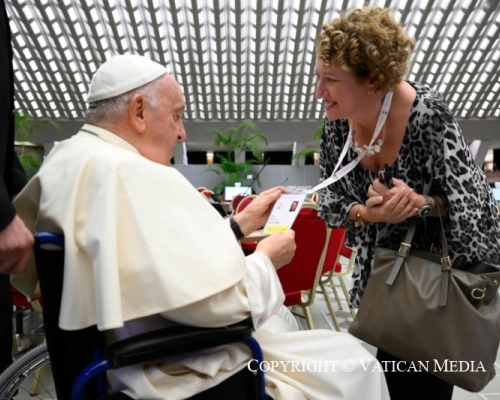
272 175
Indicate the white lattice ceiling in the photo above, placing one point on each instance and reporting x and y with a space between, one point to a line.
240 60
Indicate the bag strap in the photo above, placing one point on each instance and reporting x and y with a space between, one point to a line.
445 261
404 250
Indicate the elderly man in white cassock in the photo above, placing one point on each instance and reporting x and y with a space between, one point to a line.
146 251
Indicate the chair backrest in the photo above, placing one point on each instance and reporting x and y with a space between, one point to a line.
304 271
335 244
350 255
244 202
19 299
207 193
236 200
70 351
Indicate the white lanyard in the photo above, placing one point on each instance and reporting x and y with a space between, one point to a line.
349 167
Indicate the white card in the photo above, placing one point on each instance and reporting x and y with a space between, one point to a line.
284 212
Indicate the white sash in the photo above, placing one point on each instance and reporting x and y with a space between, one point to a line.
336 175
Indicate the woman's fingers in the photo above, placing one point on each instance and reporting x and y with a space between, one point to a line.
372 192
379 187
401 205
392 205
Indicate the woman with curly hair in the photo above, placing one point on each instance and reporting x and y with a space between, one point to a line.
393 148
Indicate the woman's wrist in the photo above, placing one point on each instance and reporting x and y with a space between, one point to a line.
442 206
421 200
360 216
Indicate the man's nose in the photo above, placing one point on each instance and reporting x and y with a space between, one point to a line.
182 134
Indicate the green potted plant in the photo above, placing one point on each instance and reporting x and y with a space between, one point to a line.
236 140
309 153
30 156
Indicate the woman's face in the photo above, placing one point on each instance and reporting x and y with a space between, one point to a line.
343 93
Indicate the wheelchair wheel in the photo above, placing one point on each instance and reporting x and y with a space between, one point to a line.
27 375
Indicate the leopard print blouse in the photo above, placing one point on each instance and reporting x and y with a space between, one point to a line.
434 159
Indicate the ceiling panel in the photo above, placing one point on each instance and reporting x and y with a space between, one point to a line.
240 60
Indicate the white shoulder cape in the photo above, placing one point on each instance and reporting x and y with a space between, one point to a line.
130 226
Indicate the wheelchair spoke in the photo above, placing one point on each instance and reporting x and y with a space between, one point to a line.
26 377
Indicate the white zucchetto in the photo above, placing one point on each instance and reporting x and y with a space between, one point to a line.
121 74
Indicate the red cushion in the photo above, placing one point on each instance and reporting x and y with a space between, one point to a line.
345 252
19 299
338 267
248 247
293 298
245 201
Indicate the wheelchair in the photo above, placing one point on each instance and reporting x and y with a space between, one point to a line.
79 359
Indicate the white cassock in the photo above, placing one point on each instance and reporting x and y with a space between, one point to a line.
144 250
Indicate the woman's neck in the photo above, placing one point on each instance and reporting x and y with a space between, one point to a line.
365 122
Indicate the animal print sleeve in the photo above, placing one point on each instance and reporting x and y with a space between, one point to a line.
473 222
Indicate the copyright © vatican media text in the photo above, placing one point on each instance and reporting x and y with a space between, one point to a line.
367 365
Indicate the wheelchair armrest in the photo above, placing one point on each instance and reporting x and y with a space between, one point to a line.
173 341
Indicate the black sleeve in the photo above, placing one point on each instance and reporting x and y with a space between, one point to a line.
19 179
7 212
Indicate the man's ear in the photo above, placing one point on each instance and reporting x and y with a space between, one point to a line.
136 114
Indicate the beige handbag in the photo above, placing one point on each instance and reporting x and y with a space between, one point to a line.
442 320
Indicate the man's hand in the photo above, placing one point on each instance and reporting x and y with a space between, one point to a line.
16 242
257 212
279 247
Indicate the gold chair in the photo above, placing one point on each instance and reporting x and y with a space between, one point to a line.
206 193
300 277
337 272
245 201
236 201
331 266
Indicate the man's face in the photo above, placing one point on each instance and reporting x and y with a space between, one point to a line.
165 127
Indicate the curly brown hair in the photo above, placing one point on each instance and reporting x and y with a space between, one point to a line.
369 42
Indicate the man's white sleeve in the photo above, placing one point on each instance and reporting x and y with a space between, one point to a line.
259 294
263 287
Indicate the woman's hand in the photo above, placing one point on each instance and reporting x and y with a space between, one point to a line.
391 205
